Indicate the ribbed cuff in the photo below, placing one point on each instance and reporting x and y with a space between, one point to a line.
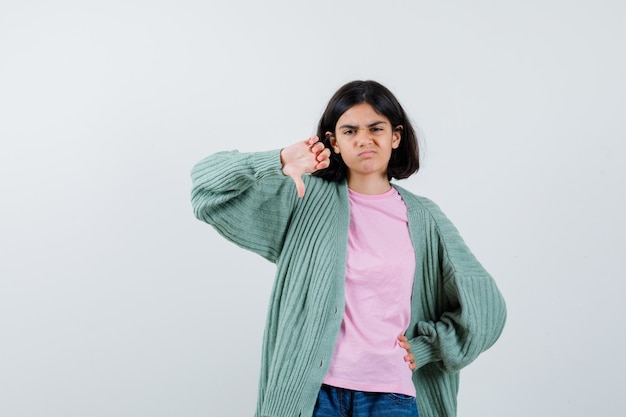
423 351
267 163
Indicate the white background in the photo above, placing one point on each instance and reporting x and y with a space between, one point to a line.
115 301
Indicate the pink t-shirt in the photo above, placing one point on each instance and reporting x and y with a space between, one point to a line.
379 280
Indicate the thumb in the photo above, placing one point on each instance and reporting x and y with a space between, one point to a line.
297 179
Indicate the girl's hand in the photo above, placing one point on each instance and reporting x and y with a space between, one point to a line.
303 158
404 344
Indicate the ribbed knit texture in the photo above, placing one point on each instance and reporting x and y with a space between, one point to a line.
457 311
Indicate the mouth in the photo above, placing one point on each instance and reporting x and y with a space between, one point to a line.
366 154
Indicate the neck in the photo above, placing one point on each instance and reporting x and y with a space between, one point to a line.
368 185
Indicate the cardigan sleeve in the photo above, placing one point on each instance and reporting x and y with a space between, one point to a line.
246 198
472 311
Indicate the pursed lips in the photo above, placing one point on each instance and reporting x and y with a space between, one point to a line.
366 153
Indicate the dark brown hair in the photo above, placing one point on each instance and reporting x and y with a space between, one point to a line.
404 160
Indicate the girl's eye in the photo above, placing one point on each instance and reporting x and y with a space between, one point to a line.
348 132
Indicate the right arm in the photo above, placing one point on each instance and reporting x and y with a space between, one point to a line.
246 197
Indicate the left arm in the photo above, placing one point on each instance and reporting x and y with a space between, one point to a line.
475 311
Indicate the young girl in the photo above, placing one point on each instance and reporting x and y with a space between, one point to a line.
377 302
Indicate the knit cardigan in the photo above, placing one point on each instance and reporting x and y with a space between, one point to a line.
457 311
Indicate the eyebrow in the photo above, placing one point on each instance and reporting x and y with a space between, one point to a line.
356 127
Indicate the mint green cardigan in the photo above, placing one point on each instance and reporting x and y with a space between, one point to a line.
457 311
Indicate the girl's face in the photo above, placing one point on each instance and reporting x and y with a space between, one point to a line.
365 139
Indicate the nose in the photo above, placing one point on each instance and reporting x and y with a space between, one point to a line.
363 137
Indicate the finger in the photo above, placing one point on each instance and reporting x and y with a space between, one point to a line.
324 154
299 185
322 164
310 141
317 147
410 359
323 159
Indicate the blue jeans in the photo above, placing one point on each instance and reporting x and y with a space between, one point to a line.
340 402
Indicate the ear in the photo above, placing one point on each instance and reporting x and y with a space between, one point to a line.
333 142
397 136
